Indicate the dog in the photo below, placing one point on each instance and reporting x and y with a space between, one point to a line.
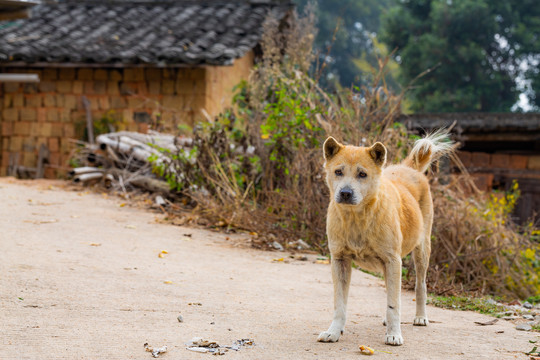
377 215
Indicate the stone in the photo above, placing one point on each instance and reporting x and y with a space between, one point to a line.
524 327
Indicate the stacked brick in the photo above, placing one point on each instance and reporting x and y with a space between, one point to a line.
484 166
51 112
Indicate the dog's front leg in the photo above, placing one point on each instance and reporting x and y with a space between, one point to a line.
341 276
393 290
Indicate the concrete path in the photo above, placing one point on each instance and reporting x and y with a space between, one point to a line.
80 278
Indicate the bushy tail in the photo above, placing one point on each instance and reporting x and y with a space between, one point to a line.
432 147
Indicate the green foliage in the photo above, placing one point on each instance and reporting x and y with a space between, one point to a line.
347 41
106 124
473 48
290 124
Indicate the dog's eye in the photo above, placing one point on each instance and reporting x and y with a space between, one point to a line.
362 174
338 172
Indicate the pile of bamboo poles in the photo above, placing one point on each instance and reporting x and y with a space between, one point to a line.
127 159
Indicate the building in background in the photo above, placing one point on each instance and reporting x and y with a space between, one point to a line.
496 149
138 63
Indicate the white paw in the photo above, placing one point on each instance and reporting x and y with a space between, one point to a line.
395 340
329 336
421 321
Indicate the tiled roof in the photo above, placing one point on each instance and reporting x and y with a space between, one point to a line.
134 32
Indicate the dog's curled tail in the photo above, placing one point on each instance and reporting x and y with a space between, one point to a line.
428 149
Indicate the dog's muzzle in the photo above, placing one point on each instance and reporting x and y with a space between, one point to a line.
346 196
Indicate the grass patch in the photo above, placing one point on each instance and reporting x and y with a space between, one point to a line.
463 303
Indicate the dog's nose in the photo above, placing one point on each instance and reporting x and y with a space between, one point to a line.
345 194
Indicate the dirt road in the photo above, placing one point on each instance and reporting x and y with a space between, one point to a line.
63 297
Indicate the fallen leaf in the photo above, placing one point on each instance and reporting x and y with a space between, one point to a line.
164 252
48 221
322 261
95 244
122 205
167 282
366 350
278 260
160 255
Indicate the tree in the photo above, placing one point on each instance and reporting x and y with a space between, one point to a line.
347 39
479 52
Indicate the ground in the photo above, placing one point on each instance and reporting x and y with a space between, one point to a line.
80 278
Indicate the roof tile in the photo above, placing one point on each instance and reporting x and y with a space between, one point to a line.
208 32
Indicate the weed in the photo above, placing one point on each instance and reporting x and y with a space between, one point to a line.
464 303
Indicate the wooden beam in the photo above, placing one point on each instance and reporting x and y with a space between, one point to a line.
15 14
24 78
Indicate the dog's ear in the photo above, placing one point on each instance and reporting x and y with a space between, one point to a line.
378 153
331 148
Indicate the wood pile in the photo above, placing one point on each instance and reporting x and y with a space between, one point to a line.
124 159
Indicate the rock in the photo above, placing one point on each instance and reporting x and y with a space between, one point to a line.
509 317
491 302
277 246
516 308
505 313
180 318
524 327
528 317
527 305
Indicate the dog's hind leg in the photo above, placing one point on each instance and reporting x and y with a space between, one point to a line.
341 276
393 290
421 262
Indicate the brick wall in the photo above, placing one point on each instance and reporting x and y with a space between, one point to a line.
51 112
485 167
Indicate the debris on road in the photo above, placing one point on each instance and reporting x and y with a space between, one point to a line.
485 323
180 318
366 350
299 245
322 260
198 344
155 351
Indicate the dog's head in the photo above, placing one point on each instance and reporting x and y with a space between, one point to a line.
352 172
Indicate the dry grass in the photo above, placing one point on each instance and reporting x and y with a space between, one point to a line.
259 167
